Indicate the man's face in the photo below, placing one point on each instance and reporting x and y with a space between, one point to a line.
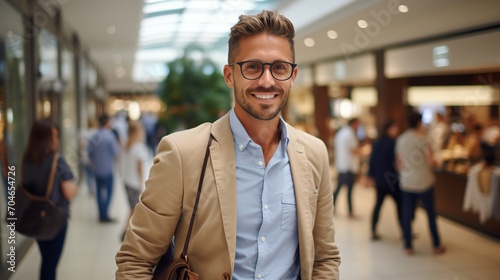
264 97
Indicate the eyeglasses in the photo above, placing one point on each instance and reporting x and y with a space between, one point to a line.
252 70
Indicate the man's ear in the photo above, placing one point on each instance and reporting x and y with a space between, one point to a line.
228 76
294 75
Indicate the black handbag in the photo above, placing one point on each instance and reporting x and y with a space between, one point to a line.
37 216
179 269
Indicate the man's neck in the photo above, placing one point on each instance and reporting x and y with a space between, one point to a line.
265 133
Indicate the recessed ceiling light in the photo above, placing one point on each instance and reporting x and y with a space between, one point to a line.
111 29
362 23
403 8
332 34
309 42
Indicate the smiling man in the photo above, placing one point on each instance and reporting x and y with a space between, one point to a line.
266 209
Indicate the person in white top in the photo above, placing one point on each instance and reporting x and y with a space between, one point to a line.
438 134
414 161
134 161
483 188
347 160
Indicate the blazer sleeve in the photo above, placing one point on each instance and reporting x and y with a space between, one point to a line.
155 217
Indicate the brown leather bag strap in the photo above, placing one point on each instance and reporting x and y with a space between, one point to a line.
52 174
205 161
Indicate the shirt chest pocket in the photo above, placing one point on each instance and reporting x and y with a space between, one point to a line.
289 212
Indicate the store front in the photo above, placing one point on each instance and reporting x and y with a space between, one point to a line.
42 76
14 123
456 77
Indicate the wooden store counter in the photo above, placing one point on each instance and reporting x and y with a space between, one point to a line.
449 196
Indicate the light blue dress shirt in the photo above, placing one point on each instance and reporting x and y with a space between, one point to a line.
267 232
102 150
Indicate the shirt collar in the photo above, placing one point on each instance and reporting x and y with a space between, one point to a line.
242 138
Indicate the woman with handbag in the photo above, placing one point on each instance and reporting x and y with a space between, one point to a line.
37 166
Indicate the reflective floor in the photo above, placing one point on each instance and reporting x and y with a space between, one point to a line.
91 247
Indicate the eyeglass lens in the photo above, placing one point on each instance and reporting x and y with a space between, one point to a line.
254 69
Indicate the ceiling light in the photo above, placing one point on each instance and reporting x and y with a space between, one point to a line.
134 110
403 8
332 34
111 29
309 42
440 56
362 23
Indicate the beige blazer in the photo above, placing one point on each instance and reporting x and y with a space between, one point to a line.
166 205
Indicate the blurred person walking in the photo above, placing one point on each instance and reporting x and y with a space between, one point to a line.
102 150
43 145
347 162
134 164
265 209
414 161
383 174
149 121
439 132
85 136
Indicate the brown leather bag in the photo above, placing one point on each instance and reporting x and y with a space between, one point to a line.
37 216
179 269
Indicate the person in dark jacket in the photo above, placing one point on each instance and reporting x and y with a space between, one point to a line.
383 173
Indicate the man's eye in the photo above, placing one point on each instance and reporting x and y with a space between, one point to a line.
253 66
280 66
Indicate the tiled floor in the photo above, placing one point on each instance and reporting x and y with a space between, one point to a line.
91 247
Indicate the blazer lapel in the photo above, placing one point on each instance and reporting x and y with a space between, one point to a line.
224 166
304 188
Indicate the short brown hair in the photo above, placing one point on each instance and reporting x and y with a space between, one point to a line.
269 22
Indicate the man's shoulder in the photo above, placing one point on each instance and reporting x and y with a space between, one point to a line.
190 136
406 138
204 127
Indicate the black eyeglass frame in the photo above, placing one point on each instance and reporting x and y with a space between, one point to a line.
240 63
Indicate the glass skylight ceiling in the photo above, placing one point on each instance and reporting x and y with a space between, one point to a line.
169 26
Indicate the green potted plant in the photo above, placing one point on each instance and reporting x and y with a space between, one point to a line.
194 92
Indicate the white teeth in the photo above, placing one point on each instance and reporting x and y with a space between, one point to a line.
265 96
